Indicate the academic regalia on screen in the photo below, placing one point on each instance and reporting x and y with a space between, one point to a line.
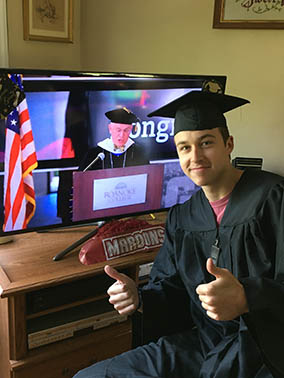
133 155
130 154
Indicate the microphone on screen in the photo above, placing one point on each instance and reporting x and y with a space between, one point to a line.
101 156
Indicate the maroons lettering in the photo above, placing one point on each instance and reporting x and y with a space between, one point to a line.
134 242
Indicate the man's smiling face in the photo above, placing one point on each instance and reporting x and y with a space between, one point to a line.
203 155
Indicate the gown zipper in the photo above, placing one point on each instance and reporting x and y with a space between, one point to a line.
215 252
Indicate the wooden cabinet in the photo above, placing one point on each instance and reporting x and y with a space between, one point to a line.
65 358
44 304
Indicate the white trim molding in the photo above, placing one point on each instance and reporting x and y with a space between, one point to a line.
4 57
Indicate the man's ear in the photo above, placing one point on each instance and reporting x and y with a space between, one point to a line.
230 144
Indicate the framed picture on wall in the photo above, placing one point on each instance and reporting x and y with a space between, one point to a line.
48 20
249 14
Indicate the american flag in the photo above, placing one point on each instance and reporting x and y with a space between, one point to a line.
20 160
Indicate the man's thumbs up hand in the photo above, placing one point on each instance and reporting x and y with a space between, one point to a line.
123 294
214 270
224 298
113 273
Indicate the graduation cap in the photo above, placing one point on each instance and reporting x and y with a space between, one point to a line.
122 115
199 110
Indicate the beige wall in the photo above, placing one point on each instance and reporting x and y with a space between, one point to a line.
37 54
166 36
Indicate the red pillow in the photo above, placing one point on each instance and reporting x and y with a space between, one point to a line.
119 238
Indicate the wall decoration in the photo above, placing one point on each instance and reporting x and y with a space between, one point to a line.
249 14
48 20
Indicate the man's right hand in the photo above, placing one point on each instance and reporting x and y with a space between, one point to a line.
123 293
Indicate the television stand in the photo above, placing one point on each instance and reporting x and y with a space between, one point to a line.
33 288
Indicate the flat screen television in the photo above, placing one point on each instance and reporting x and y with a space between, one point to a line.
67 114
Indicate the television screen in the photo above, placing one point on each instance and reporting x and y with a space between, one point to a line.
91 166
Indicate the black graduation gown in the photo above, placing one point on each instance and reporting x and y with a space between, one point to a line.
134 155
251 237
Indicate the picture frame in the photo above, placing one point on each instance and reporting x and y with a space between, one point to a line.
48 20
249 14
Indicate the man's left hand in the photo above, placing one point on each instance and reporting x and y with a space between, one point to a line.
224 298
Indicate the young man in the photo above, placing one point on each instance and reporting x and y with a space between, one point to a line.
216 288
119 150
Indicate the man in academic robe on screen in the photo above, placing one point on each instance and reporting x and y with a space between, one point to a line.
118 150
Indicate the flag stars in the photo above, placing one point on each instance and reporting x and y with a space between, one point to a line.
13 122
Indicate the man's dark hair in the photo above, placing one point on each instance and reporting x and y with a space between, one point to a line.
225 133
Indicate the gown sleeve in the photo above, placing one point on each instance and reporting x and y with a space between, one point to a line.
166 304
265 296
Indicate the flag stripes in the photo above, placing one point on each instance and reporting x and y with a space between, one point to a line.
20 160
